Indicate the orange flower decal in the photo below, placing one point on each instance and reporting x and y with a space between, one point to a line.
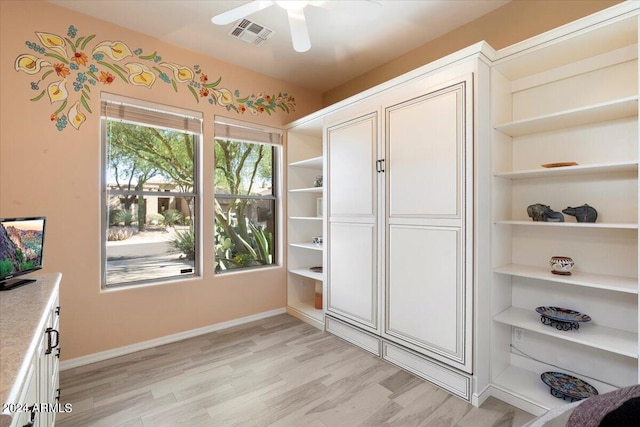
61 70
204 92
204 78
106 78
80 58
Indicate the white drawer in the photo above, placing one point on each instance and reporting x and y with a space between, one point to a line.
431 370
354 335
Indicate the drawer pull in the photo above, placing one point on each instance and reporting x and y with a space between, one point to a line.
50 345
32 417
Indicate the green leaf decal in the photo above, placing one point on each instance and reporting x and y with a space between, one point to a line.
87 40
153 55
195 95
84 103
71 45
64 104
37 98
58 57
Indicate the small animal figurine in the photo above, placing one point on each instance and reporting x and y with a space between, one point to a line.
544 213
584 213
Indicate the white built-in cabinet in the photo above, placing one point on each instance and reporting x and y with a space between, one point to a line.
430 259
567 96
353 168
400 212
29 374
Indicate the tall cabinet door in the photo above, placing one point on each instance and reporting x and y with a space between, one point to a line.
428 292
352 291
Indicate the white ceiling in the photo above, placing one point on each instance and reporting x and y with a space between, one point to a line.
348 38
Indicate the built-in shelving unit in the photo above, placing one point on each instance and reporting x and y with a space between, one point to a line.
571 96
304 222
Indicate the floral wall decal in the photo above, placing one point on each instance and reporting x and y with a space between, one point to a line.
57 60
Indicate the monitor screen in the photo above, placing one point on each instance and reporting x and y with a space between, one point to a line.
21 248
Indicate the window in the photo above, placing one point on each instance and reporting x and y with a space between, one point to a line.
246 195
150 192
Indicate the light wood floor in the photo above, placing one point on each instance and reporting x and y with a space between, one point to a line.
274 372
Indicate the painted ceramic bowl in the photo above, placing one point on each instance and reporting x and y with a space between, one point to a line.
561 265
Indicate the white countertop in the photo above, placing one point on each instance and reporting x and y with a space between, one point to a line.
23 313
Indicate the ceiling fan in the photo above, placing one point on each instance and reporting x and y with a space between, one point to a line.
295 11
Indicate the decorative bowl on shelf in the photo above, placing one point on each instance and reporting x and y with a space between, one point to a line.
317 240
562 318
561 265
567 387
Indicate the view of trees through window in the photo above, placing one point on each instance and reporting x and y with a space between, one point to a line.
245 205
150 203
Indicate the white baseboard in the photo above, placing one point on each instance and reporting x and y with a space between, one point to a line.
144 345
478 399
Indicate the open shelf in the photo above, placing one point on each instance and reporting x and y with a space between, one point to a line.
313 163
628 166
306 190
589 334
307 309
306 218
577 278
527 385
618 225
305 272
602 112
311 246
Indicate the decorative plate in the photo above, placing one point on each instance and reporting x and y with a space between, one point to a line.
562 314
558 165
316 269
565 386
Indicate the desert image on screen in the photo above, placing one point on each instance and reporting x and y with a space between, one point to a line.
20 246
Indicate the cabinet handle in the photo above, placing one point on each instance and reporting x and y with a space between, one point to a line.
380 165
32 417
58 310
58 353
50 345
58 395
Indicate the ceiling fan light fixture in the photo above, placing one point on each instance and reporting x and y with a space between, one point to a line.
292 5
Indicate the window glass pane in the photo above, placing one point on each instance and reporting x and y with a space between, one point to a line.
245 205
150 204
243 168
163 247
158 159
245 231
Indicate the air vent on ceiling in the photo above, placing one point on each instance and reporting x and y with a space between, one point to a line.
250 32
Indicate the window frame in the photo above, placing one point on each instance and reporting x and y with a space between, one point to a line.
105 193
273 140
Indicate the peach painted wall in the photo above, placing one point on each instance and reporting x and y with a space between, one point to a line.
47 172
515 21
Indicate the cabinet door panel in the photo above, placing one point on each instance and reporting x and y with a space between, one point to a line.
352 274
351 157
425 294
425 139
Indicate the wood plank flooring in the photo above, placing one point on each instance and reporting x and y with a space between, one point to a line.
273 372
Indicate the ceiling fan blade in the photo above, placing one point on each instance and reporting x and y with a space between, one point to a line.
299 30
240 12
